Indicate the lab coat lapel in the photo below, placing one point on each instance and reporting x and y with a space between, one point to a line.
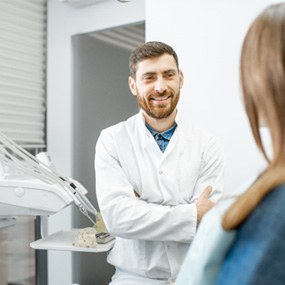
148 141
179 136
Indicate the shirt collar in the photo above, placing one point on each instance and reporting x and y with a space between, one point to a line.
178 119
166 134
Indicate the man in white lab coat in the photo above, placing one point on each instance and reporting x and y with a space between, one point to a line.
153 174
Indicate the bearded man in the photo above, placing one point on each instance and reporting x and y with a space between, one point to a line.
156 175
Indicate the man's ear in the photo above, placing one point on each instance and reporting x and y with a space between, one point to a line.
181 76
132 85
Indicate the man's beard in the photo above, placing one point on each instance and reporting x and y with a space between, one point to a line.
158 111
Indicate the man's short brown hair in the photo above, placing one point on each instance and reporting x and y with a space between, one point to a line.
149 50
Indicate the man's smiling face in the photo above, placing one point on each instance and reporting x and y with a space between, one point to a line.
157 86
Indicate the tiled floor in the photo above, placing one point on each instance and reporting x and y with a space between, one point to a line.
17 259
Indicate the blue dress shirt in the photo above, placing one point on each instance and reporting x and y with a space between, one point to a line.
163 138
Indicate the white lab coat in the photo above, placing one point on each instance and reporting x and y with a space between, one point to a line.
154 227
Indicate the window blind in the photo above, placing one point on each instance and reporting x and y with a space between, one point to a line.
22 71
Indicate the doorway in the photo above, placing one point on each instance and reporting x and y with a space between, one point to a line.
101 98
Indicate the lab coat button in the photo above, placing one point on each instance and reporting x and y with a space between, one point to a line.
160 172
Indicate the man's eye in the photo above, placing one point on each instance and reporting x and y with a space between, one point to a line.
149 77
169 75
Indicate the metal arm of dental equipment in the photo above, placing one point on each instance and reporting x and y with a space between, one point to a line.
16 157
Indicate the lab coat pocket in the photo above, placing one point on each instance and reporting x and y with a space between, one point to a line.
188 174
135 251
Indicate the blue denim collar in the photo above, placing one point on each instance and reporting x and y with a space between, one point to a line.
162 139
166 134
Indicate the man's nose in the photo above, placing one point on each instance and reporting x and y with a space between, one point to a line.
160 85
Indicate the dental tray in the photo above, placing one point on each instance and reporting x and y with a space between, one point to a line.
63 240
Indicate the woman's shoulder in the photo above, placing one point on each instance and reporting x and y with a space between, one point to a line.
208 248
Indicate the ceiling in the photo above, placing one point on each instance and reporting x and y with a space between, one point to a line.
127 37
81 3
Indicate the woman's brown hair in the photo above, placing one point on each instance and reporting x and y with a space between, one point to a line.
262 70
263 78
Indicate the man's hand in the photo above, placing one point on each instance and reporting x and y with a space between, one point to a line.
203 203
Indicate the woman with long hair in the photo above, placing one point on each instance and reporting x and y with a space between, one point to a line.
242 240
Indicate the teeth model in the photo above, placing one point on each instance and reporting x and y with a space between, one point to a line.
86 238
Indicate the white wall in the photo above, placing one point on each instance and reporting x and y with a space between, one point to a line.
207 36
63 23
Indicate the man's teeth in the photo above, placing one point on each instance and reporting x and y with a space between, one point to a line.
160 99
